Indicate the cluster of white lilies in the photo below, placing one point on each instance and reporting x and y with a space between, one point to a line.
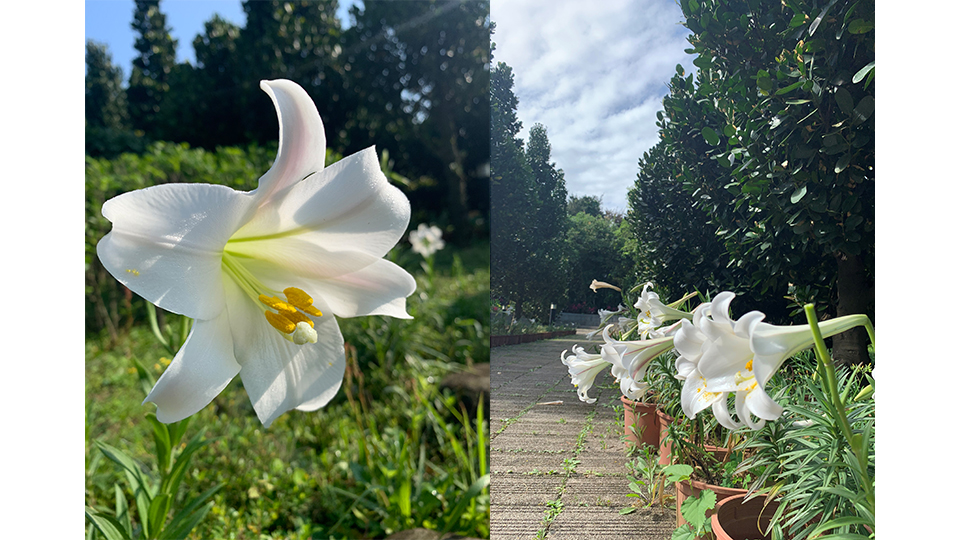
716 355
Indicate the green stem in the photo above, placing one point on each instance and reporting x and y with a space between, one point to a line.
829 371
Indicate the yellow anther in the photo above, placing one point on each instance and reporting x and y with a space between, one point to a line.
749 365
298 317
280 322
277 304
301 300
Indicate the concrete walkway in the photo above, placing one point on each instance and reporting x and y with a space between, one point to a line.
558 470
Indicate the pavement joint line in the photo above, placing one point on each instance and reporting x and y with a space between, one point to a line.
508 421
555 507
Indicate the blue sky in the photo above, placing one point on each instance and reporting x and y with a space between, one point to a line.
108 21
594 74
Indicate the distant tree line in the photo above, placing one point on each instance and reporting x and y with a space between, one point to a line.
546 247
411 78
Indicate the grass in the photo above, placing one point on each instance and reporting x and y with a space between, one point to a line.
390 452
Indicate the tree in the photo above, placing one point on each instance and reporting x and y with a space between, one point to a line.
775 139
512 194
442 49
547 237
107 129
589 204
149 79
595 251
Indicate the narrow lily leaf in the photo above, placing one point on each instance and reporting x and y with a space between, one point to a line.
122 511
840 522
158 511
108 526
161 438
143 490
172 482
189 516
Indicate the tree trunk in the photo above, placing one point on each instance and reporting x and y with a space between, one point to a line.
854 296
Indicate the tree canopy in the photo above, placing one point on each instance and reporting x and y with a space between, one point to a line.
411 78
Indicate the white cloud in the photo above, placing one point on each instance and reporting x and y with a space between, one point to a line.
594 74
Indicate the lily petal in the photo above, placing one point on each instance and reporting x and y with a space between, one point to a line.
302 140
202 368
280 376
166 242
349 206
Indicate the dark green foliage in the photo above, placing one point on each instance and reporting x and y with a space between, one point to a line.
152 68
595 251
528 210
411 78
109 305
512 193
773 140
588 204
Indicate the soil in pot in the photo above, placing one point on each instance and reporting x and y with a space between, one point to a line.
736 519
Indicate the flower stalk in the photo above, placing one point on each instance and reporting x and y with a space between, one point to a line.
828 372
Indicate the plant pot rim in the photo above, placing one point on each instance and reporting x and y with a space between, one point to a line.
727 511
628 401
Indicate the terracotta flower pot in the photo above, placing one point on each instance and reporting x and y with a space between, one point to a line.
640 417
734 519
692 488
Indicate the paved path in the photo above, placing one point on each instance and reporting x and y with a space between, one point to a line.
558 471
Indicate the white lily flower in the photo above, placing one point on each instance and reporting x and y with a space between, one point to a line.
653 313
427 240
263 272
630 360
583 368
694 397
742 355
602 285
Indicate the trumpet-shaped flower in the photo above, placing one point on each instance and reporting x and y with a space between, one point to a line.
630 360
742 355
583 368
427 240
263 272
652 313
602 285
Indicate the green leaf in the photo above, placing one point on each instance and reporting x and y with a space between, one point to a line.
475 489
842 163
158 512
863 72
678 472
189 517
816 22
685 532
108 526
844 100
694 509
840 522
798 194
710 136
627 510
864 110
859 26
